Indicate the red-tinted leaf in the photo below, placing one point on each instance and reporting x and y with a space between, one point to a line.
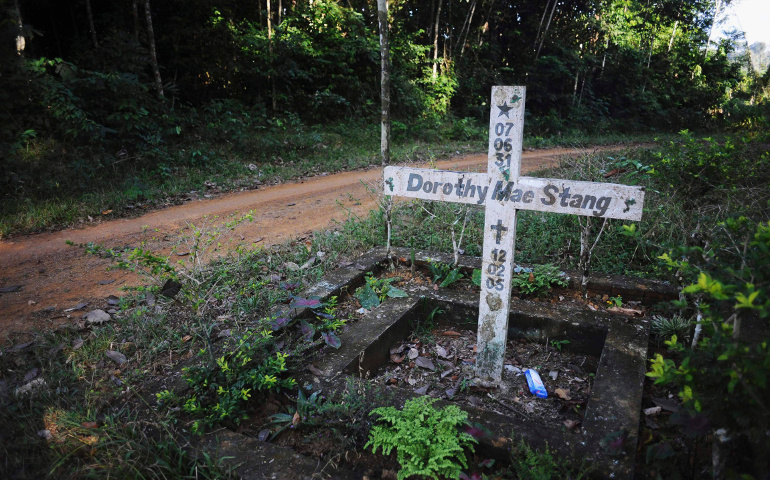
300 302
290 287
307 330
477 431
279 323
487 463
332 340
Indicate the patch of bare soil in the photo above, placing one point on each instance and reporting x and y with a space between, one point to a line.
41 277
441 364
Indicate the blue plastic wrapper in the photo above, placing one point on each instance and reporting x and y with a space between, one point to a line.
535 383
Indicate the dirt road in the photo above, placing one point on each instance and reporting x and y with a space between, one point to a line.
53 276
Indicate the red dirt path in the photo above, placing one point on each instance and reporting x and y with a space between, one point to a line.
55 276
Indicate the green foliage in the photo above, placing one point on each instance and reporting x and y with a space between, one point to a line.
443 274
663 328
538 281
558 344
376 290
427 441
530 464
724 376
476 277
422 326
221 392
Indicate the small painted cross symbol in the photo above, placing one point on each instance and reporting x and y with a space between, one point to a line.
500 229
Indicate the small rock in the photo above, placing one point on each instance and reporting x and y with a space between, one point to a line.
79 306
292 266
77 343
10 289
56 350
652 410
44 434
113 301
562 393
31 387
425 362
97 316
31 375
21 346
389 475
571 424
309 263
170 289
116 357
421 390
263 435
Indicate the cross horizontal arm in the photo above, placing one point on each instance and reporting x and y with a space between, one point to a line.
596 199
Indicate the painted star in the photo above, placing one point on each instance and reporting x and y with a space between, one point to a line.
504 109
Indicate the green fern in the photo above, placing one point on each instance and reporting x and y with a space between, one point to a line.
427 441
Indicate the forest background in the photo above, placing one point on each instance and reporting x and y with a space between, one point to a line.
107 108
115 103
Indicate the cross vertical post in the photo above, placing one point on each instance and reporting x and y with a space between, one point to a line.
502 191
506 129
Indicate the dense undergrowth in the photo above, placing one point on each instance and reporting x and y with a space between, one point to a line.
90 414
51 183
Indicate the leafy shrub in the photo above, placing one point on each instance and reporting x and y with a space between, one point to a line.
376 290
664 328
221 392
444 273
724 377
427 441
531 464
539 280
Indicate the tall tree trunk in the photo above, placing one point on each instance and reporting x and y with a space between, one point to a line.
382 16
91 23
713 24
153 53
435 40
673 34
270 51
545 32
461 39
485 27
540 27
604 57
135 11
468 30
21 42
280 12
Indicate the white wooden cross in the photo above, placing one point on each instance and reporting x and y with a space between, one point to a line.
502 191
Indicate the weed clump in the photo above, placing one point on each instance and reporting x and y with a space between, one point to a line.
427 441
